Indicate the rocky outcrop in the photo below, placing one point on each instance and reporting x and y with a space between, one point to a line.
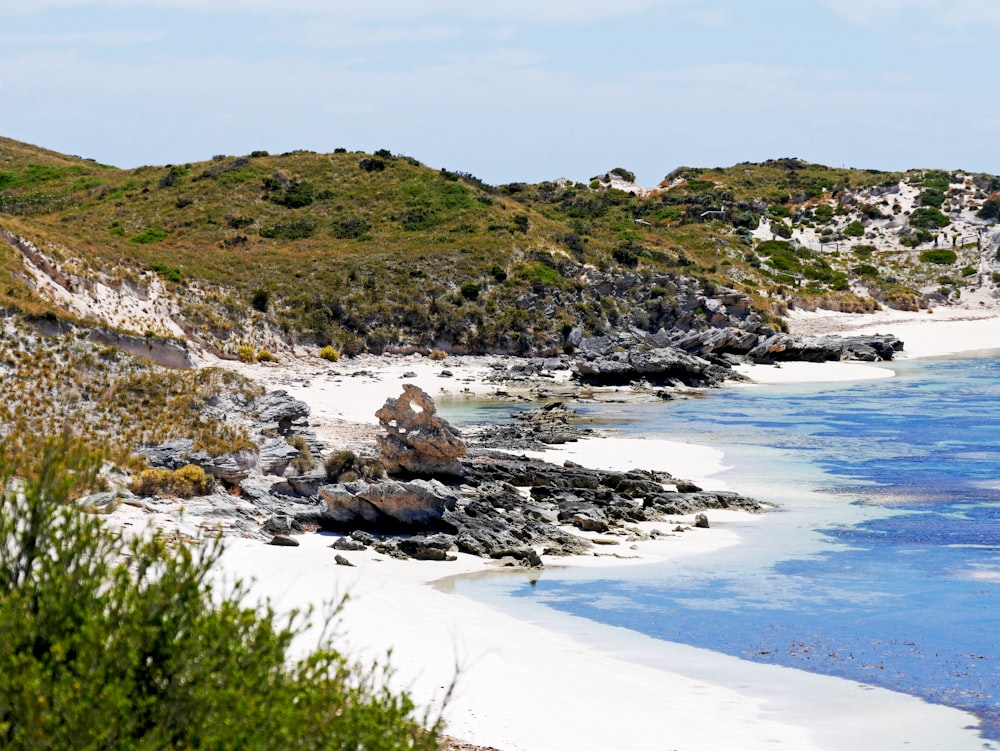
268 420
494 504
602 362
705 357
230 468
387 505
275 456
782 347
417 442
166 352
277 411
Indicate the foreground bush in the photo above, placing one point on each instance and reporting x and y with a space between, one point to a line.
114 643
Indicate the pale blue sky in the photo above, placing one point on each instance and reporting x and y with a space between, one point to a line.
519 90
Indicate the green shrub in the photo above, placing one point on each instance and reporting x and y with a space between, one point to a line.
297 195
990 208
371 165
293 230
541 274
151 235
781 229
928 217
170 273
110 641
747 220
865 270
246 353
935 180
266 355
932 197
916 237
470 291
772 247
968 271
624 174
823 213
854 229
240 222
350 228
939 256
259 299
329 353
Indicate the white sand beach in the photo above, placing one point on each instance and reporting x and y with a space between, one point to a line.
528 686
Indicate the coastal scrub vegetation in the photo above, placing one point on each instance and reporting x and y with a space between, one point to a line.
109 400
128 642
371 252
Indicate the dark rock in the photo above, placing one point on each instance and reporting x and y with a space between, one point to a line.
346 543
782 347
435 548
701 521
283 524
659 365
341 561
283 541
589 522
365 538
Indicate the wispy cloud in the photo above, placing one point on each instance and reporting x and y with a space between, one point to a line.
953 13
332 35
521 11
82 38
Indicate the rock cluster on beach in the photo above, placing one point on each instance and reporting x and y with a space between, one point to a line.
440 497
698 358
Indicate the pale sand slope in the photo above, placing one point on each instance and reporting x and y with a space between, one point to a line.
522 687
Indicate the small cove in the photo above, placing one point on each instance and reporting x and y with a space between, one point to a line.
883 565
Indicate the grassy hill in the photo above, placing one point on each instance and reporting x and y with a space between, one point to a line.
377 251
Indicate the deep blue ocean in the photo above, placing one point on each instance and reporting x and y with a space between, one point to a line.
882 564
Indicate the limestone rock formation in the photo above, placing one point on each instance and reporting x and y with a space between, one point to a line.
418 442
387 505
277 410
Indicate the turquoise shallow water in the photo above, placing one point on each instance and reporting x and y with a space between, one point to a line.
883 565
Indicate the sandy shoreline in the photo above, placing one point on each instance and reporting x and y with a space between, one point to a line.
523 686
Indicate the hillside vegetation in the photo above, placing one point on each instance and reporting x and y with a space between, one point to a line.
377 251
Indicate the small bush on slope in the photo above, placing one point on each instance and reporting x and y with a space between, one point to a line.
108 643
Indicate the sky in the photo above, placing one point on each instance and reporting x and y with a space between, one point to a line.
515 90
